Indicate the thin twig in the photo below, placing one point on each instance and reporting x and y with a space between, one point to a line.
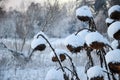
15 42
113 77
101 59
15 53
107 72
83 29
31 54
23 44
67 69
110 74
74 68
103 55
119 76
109 46
90 57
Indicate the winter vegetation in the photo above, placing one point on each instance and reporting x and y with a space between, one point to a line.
59 40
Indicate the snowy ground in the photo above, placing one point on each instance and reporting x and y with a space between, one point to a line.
15 68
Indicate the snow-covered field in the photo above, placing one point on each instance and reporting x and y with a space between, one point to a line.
15 68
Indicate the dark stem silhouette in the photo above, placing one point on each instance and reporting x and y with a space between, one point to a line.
64 73
74 68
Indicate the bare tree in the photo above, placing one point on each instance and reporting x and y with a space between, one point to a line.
51 14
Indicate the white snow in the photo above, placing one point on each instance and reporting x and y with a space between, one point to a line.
114 44
54 74
74 40
95 71
113 56
84 11
113 8
95 36
23 74
59 43
39 66
108 20
113 28
37 40
83 33
81 73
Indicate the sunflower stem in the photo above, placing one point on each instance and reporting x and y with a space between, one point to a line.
64 73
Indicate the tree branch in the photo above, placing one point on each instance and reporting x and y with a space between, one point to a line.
15 53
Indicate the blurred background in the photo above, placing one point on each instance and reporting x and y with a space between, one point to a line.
22 19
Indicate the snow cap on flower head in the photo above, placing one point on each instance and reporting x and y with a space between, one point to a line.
113 56
84 11
74 40
114 8
95 71
95 36
38 40
113 28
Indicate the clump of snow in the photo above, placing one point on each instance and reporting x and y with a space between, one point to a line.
74 40
84 11
108 20
95 71
37 40
113 56
95 36
114 44
113 28
114 8
54 74
83 33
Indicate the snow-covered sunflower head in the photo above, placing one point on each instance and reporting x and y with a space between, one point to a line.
114 12
114 30
60 53
113 60
83 13
109 21
95 40
38 42
95 73
74 43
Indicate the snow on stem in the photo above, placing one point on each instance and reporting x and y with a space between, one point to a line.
82 29
74 43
